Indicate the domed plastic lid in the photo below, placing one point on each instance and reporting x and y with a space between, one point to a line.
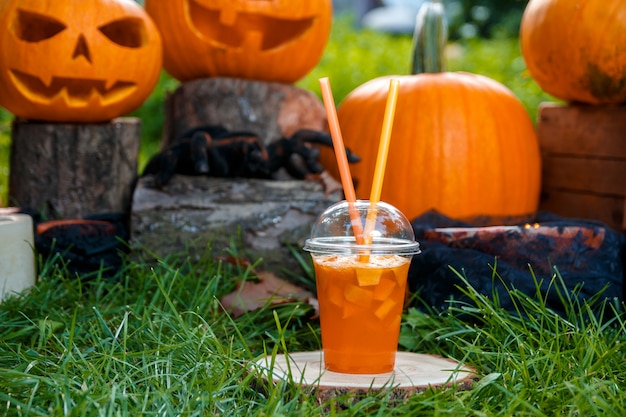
392 233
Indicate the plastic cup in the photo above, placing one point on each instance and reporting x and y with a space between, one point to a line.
361 288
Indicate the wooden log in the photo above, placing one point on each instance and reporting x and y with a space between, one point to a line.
74 170
584 161
193 213
271 110
413 373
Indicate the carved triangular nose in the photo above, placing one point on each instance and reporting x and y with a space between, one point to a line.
81 49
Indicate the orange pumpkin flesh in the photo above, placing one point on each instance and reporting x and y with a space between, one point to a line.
576 50
88 62
268 40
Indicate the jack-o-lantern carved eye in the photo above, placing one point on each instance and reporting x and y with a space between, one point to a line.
33 27
129 32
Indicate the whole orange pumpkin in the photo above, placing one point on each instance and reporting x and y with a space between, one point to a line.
461 143
267 40
576 50
76 61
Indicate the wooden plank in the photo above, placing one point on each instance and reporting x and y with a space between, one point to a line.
594 176
609 210
582 130
584 161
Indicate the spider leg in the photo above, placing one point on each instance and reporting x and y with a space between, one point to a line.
320 138
162 166
199 146
303 162
257 159
242 154
219 163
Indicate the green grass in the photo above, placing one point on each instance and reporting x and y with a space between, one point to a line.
158 342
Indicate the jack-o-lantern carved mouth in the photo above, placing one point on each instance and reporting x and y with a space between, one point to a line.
236 29
75 91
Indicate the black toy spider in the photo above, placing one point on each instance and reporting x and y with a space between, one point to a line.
215 151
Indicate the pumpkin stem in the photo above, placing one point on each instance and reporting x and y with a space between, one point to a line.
429 38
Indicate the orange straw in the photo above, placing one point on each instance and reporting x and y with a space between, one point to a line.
381 159
342 159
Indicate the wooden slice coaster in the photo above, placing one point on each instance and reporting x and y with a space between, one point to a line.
413 373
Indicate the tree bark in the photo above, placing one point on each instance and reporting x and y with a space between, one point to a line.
193 213
74 170
271 110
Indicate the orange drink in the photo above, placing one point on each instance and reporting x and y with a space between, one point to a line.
360 310
361 285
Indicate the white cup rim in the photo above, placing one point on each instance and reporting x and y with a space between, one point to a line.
347 245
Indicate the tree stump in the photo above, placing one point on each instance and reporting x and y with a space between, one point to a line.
74 170
271 110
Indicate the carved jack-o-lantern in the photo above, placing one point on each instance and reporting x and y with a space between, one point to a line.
76 61
267 40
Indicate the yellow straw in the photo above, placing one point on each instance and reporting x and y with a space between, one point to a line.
342 159
381 159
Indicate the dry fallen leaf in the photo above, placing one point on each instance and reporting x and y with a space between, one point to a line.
268 290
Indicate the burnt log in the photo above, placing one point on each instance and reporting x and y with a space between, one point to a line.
67 170
546 255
